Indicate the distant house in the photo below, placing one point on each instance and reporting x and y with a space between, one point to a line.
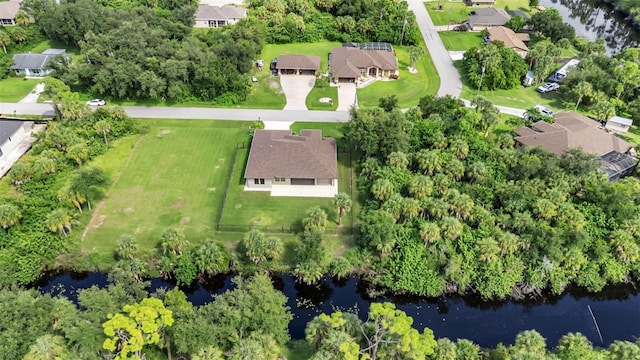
487 17
618 124
353 62
304 165
36 65
510 39
297 64
8 11
573 130
209 16
479 2
11 133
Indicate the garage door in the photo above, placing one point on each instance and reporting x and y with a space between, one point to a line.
303 182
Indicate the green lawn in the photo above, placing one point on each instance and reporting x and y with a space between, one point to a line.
320 90
174 175
321 49
460 41
409 88
457 11
13 89
519 97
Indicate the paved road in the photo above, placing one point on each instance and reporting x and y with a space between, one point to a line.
450 83
159 112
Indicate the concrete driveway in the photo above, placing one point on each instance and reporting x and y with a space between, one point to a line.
346 96
296 88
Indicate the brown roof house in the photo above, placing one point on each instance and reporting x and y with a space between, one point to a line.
297 64
510 39
304 165
488 17
8 11
209 16
573 130
351 63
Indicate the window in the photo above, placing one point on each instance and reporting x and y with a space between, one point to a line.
258 181
279 179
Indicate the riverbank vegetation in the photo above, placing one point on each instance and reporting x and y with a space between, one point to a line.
247 322
451 209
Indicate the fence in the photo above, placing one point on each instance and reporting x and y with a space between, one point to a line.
281 229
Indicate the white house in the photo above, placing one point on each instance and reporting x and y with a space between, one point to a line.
11 133
209 16
304 165
8 11
618 124
36 65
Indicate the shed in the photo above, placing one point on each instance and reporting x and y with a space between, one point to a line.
618 124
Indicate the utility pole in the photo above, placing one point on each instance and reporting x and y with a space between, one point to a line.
403 26
481 77
450 15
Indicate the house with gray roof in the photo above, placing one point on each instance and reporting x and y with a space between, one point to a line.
36 65
482 18
209 16
14 142
350 63
8 11
618 124
297 64
304 165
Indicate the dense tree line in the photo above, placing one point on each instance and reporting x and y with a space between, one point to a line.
248 322
50 186
336 20
150 53
451 209
629 7
494 66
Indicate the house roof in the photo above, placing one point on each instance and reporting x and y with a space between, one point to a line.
571 130
346 62
301 62
508 37
620 120
35 61
8 128
481 1
211 12
9 9
489 17
277 153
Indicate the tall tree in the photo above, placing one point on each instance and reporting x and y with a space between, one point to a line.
5 40
59 220
315 220
103 128
415 52
582 90
173 241
9 215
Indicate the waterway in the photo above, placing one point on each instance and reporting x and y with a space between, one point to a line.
597 21
616 309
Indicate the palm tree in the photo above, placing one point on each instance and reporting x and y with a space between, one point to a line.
625 246
126 247
45 165
208 353
428 161
451 228
47 347
429 232
342 203
78 152
19 35
488 119
481 103
420 187
102 128
455 169
9 215
488 249
315 220
582 89
5 40
459 148
545 209
22 18
409 208
461 205
382 189
509 243
59 220
415 52
308 272
398 160
173 241
209 258
477 170
604 109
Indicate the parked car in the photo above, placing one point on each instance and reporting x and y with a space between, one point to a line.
543 112
96 102
548 87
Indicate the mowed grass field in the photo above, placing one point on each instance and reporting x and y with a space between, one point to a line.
12 89
174 176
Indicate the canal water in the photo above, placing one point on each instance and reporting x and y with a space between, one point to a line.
616 309
597 21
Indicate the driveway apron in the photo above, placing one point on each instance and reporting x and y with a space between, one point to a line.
296 88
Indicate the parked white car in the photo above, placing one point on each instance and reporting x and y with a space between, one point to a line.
548 87
96 102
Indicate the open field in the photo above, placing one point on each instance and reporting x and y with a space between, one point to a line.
12 89
460 41
519 97
409 88
173 176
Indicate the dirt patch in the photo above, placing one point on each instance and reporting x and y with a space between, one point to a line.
178 204
128 210
221 159
238 206
163 133
274 84
185 220
212 189
96 219
217 167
